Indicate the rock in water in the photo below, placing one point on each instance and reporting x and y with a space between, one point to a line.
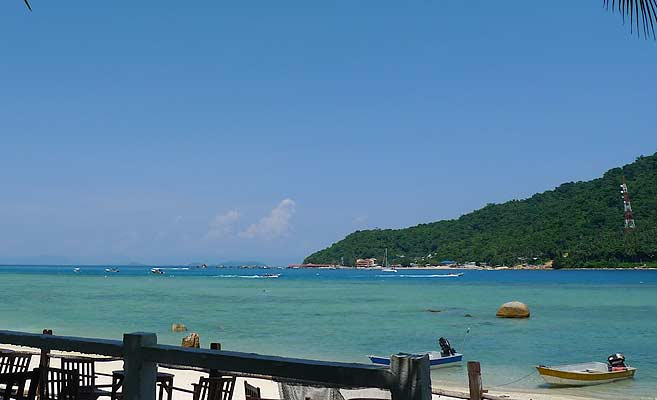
178 328
513 309
192 340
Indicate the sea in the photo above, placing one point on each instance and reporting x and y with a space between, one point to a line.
345 315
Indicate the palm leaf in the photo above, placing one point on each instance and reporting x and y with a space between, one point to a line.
642 14
28 5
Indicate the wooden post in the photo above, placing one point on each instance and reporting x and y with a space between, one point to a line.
44 363
140 375
412 376
474 379
213 372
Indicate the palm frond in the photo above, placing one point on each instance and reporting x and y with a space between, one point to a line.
27 3
642 15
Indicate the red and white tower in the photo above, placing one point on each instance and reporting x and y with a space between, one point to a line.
627 206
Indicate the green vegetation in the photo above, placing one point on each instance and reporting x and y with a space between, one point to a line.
575 225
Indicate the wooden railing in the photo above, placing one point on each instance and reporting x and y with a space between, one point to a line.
407 378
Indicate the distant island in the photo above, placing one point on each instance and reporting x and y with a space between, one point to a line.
576 225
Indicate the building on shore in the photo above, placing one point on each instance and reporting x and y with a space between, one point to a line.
365 262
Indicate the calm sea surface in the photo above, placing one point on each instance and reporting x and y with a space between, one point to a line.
344 315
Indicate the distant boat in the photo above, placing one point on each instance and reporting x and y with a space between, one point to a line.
112 270
157 271
76 270
386 268
271 275
586 374
447 357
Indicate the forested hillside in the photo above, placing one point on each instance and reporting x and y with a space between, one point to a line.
576 225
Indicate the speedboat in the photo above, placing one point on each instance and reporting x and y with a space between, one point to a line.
112 270
447 357
590 373
388 270
157 271
76 270
271 275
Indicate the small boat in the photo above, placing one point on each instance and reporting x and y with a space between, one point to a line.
387 268
157 271
271 275
437 359
76 270
585 374
112 270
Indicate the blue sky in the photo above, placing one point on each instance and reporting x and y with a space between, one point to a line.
172 132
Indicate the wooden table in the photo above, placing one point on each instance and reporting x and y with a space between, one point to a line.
164 379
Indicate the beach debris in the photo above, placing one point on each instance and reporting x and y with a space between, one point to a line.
513 309
192 340
178 328
433 310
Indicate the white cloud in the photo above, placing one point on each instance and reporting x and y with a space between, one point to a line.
222 224
276 224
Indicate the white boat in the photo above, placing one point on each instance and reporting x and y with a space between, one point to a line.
271 275
157 271
76 270
112 270
437 359
386 268
586 374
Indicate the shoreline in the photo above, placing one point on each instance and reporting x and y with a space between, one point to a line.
184 378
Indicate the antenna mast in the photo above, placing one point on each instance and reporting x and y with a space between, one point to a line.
627 206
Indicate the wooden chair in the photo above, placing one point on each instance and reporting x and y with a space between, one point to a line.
251 392
5 361
59 385
15 385
13 361
86 372
215 388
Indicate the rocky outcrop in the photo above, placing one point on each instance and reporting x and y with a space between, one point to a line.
513 309
192 340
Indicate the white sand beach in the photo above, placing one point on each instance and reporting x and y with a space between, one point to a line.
269 389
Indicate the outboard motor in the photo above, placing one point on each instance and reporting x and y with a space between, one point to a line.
616 362
446 349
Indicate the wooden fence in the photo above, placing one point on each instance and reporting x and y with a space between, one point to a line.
408 377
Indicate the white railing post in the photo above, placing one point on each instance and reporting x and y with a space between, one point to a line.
412 377
140 375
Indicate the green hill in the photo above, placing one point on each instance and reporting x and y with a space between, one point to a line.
578 224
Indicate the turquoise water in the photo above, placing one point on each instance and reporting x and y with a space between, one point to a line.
345 315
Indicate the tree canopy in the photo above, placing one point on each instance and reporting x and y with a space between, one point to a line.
575 225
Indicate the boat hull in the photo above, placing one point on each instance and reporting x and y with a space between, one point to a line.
439 362
572 378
